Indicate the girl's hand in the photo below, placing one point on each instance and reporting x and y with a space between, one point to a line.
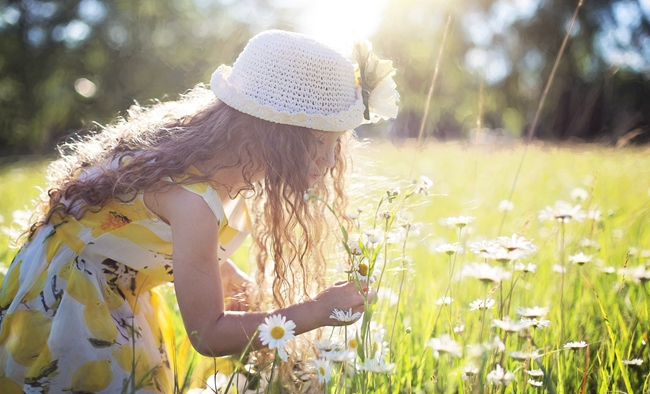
342 295
235 287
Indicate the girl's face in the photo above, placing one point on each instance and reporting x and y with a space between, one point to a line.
324 156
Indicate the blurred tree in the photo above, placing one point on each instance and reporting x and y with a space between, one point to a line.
66 62
497 59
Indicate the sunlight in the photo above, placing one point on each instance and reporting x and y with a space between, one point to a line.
338 22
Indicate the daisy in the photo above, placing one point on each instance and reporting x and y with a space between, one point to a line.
595 215
518 355
481 304
339 356
517 242
376 366
558 268
323 370
346 317
575 345
482 247
485 272
275 332
536 373
563 212
424 185
579 194
460 221
535 383
449 248
506 205
587 243
636 361
535 311
445 344
507 325
526 268
470 369
500 376
535 322
580 258
444 301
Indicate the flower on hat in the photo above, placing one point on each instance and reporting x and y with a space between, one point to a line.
375 77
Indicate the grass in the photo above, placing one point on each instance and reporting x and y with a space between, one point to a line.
609 311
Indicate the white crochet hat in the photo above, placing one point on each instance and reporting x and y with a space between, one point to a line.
289 78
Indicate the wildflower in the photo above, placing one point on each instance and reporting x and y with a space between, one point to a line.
500 376
608 269
449 248
595 215
275 332
503 255
563 212
445 344
470 369
391 194
423 185
536 373
323 370
579 194
459 328
328 345
535 311
537 323
507 325
575 345
636 361
460 221
506 205
587 243
516 242
535 383
344 316
481 304
385 215
485 272
580 258
361 270
444 301
518 355
477 350
558 268
526 268
639 273
354 244
483 247
339 356
377 366
374 236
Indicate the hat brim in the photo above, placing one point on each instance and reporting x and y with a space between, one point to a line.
342 121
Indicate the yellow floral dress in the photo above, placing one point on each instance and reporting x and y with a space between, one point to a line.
78 308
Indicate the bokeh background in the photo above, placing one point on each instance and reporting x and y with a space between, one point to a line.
65 64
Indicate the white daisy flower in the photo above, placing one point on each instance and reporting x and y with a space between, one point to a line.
595 215
376 366
579 194
344 316
558 268
535 322
562 211
588 243
608 269
444 301
275 332
530 267
327 345
639 273
636 361
535 311
507 325
470 369
485 272
517 242
580 258
519 355
459 221
449 248
445 344
535 373
482 304
500 376
423 185
575 345
323 370
506 205
339 356
459 328
535 383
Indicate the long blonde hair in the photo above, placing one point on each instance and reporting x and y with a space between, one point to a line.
165 139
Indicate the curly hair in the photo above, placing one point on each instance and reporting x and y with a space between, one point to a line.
165 139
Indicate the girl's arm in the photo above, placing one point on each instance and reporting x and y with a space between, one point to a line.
197 279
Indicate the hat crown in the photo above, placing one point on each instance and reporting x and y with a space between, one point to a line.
290 78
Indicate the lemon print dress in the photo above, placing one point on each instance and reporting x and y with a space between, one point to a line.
78 308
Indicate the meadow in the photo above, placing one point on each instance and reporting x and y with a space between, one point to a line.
504 269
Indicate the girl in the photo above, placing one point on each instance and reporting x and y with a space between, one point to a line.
160 197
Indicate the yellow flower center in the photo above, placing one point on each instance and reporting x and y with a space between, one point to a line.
363 269
321 370
353 343
277 332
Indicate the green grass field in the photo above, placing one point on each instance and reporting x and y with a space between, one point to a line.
602 301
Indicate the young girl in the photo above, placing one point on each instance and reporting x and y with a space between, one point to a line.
160 197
